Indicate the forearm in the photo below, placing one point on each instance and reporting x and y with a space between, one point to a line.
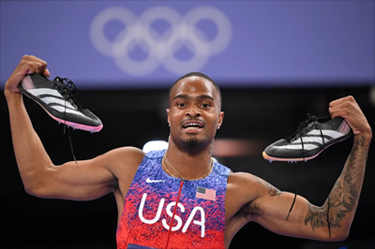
29 151
343 199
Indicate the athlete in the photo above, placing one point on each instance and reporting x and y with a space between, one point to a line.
181 198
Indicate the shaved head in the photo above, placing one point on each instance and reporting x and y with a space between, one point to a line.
197 74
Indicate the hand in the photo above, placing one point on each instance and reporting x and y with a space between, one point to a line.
348 109
29 64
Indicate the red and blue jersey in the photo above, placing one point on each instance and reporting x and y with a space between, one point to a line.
146 220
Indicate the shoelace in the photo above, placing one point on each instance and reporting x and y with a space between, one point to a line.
68 88
299 132
326 185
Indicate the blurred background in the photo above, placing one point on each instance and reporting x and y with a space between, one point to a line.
275 61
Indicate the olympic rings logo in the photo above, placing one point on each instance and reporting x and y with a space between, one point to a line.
161 48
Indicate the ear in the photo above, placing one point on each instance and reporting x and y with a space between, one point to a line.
168 119
221 119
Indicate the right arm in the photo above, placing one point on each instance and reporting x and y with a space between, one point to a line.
88 179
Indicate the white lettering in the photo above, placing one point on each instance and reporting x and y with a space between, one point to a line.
176 217
169 211
199 223
158 213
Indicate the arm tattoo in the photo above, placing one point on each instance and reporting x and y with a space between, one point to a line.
251 208
345 194
272 191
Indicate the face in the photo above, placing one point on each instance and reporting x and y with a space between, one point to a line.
194 112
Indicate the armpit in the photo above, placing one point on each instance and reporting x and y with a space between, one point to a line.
247 211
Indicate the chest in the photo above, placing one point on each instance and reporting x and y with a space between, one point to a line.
159 208
181 204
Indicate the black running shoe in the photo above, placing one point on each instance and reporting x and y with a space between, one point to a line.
312 137
57 98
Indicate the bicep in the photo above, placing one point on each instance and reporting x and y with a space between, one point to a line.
276 215
87 179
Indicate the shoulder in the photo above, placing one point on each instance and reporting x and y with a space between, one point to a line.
245 182
242 183
155 154
123 155
244 189
241 189
239 179
122 161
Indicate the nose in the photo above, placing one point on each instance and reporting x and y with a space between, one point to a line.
193 111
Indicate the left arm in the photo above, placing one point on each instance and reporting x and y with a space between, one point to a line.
307 220
343 199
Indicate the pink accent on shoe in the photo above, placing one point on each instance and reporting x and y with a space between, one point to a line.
78 126
75 125
344 128
27 83
270 158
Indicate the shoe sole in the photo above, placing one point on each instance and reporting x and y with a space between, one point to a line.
270 158
68 123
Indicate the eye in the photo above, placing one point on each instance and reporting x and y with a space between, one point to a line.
205 105
181 104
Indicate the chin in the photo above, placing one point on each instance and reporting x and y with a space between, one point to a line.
192 143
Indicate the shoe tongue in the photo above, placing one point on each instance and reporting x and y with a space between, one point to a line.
301 131
59 82
311 124
67 92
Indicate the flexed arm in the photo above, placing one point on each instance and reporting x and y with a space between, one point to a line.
343 199
86 180
266 205
339 208
27 145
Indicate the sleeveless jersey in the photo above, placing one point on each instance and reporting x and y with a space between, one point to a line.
199 220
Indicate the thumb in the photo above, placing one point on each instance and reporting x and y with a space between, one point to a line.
47 74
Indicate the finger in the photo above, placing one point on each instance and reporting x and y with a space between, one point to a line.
335 112
35 64
342 100
40 67
23 69
27 65
343 109
47 74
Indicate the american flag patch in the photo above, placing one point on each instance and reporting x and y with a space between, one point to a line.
205 193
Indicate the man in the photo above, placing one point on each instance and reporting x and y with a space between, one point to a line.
177 218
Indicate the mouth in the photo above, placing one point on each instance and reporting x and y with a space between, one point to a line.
192 125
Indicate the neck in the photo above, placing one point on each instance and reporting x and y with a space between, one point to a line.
189 165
